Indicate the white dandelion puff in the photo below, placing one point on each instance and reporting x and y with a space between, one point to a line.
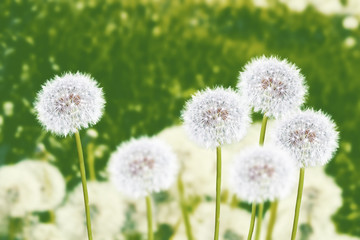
19 191
310 137
262 173
51 183
142 166
214 117
272 86
106 210
69 103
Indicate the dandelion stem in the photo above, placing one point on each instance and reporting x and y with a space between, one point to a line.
184 209
12 228
83 181
252 221
298 203
263 130
91 161
218 192
149 218
273 210
259 221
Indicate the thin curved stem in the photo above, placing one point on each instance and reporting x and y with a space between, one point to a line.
218 192
184 210
259 221
252 221
84 185
149 218
273 211
298 203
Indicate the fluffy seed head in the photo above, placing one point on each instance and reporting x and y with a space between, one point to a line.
142 166
214 117
272 86
262 173
68 103
310 137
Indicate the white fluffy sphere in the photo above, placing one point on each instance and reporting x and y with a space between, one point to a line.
272 86
68 103
262 173
214 117
142 166
310 137
51 183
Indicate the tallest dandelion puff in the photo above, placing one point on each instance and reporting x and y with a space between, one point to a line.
67 104
212 118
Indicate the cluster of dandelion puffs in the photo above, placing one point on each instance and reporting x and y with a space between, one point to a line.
140 167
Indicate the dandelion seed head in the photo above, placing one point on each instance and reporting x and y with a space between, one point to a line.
68 103
142 166
43 231
310 136
262 173
272 86
214 117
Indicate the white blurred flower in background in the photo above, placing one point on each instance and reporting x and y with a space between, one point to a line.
51 182
20 191
43 231
321 199
107 211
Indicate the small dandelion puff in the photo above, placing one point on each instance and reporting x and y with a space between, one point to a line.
51 183
262 173
142 166
272 86
214 117
69 103
310 137
19 191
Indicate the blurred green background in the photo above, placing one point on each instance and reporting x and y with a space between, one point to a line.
150 56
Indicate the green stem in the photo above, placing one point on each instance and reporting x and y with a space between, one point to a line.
91 161
252 221
218 192
184 211
263 130
149 218
11 228
298 203
273 210
259 221
83 181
